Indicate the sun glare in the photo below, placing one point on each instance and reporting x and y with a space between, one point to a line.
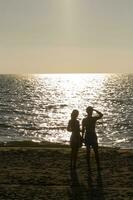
75 82
79 81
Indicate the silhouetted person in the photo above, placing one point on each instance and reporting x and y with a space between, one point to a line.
88 128
75 139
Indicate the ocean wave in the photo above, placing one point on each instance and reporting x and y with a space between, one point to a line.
4 125
26 127
55 106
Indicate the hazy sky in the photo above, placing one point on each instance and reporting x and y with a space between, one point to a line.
66 36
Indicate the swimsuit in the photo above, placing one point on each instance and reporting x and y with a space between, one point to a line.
75 139
90 134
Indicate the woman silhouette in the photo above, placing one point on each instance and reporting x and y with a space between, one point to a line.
75 139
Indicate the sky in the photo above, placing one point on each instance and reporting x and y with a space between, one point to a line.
71 36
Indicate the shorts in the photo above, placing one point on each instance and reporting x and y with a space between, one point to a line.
91 140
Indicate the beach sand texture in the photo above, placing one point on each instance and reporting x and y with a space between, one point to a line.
41 173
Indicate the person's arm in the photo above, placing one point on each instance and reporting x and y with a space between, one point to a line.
100 115
83 128
69 126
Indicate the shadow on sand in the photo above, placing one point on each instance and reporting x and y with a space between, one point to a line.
86 190
95 189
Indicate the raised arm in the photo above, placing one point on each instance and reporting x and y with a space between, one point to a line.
100 115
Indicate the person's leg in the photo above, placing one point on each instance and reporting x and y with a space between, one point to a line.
88 156
75 154
71 158
95 148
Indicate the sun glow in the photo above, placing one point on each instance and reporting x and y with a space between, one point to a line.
79 81
74 76
73 89
75 82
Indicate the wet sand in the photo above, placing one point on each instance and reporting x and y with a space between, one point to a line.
42 172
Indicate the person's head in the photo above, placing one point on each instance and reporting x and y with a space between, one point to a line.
89 110
74 114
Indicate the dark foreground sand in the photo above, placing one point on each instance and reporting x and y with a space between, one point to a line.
39 173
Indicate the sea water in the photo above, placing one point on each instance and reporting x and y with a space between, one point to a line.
37 107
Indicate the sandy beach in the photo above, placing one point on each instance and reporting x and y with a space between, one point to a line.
41 172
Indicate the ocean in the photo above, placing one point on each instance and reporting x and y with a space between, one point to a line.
37 107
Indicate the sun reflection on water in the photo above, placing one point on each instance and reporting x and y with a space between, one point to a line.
38 106
68 92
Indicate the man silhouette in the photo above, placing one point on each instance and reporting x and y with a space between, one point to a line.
88 128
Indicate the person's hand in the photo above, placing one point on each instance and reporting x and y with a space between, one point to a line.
95 110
